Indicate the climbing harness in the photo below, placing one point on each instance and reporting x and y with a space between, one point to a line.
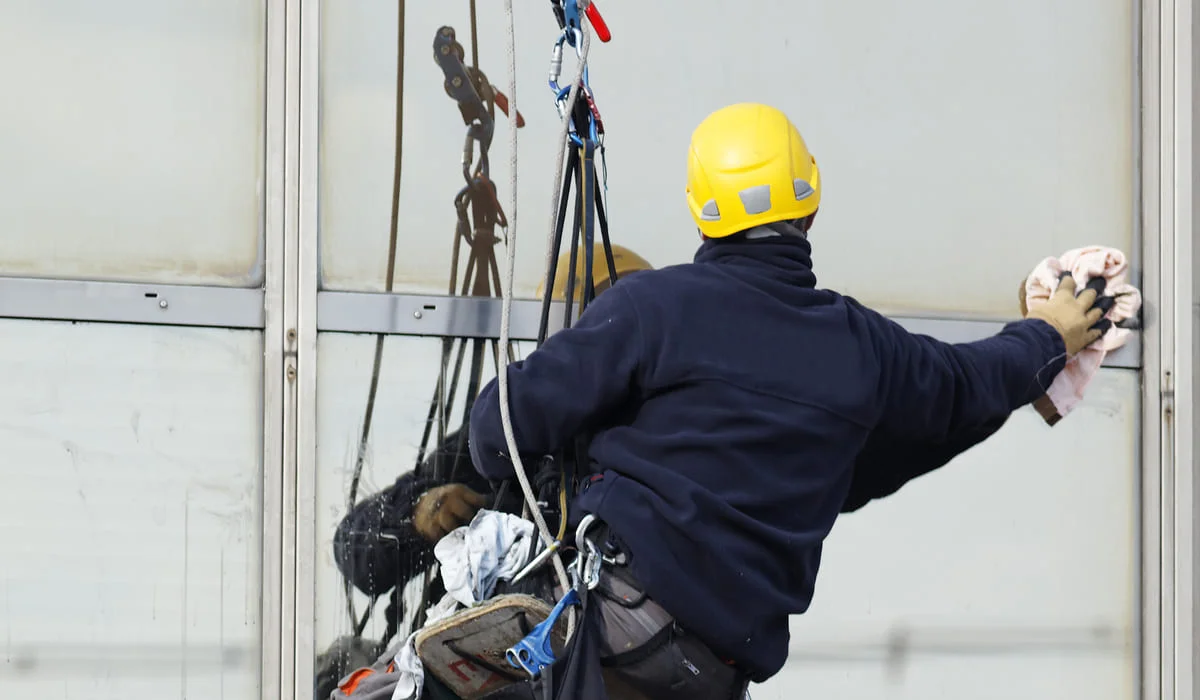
533 654
582 128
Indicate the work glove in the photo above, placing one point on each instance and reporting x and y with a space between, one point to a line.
444 508
1079 319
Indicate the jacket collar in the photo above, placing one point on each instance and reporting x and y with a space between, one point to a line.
780 251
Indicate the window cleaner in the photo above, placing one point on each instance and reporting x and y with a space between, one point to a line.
725 436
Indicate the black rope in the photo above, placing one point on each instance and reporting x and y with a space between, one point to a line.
352 497
579 179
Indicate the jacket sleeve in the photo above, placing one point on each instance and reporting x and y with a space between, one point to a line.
933 391
564 388
375 546
887 462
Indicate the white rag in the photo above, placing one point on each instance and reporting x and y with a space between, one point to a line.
472 559
492 547
408 664
1084 264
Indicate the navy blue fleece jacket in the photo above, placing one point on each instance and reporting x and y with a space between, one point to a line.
728 400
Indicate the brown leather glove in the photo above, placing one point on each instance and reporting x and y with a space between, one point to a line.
1074 317
444 508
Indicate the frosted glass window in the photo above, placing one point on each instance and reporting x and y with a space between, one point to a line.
960 144
130 513
131 133
1011 573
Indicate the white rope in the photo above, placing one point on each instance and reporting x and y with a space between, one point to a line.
506 286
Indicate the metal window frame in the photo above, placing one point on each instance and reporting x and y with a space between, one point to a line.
131 302
475 317
272 629
350 312
1152 623
291 590
308 271
1170 530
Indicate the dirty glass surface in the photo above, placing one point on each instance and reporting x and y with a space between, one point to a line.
953 161
408 380
130 518
131 133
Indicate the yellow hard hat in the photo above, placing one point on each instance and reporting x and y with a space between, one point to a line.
624 260
748 166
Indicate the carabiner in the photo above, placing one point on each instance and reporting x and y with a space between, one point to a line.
585 570
581 530
556 55
590 571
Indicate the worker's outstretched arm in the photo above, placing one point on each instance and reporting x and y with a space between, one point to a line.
935 391
576 378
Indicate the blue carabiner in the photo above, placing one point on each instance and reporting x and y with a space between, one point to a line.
534 653
572 28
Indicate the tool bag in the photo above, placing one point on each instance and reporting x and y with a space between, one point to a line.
625 647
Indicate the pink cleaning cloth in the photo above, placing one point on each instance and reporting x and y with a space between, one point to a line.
1084 264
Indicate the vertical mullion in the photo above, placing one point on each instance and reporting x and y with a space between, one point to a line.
306 421
271 601
1183 353
1152 617
291 252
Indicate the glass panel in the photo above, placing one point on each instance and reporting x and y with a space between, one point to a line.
408 379
132 132
130 514
1011 573
960 145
